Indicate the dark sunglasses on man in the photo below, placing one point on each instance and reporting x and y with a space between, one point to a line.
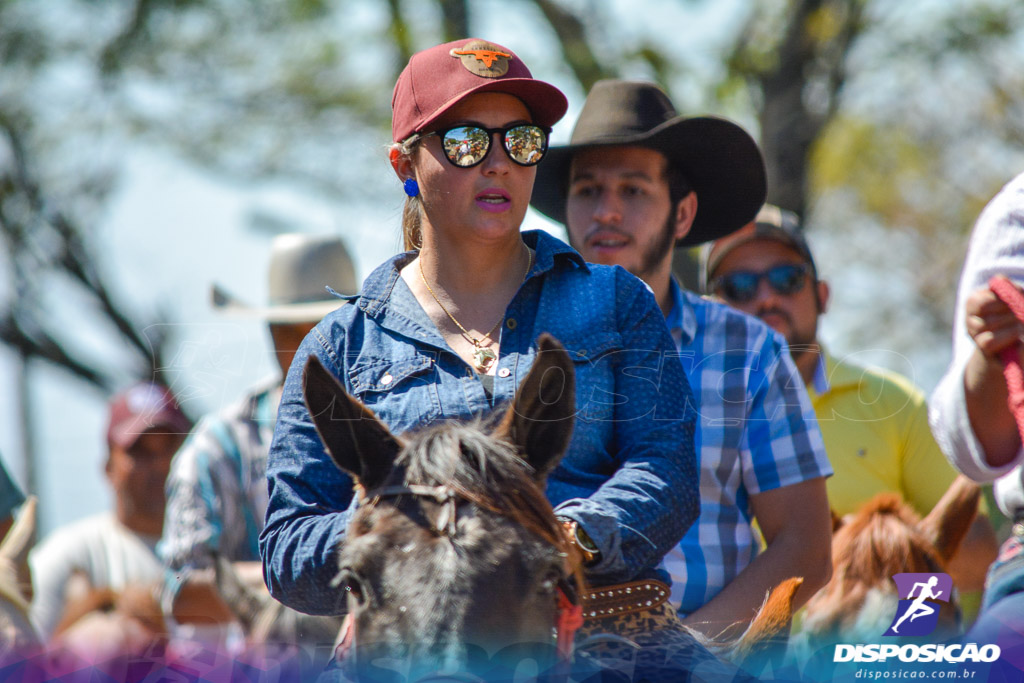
468 145
741 286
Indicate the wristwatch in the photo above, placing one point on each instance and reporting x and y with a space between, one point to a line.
582 540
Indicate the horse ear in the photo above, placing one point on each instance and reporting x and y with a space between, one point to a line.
540 420
767 637
243 602
948 522
359 443
16 545
837 521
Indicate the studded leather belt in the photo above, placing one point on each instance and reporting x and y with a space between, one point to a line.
624 598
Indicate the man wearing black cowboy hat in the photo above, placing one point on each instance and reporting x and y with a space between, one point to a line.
635 180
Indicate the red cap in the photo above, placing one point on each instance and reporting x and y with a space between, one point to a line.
437 78
143 407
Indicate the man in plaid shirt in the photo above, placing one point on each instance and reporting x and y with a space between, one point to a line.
635 180
217 486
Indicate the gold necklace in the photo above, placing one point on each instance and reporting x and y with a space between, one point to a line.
483 356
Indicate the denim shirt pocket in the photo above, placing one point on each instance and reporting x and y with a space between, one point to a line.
401 392
595 357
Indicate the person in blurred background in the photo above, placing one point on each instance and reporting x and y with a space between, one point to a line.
217 488
116 549
875 422
635 181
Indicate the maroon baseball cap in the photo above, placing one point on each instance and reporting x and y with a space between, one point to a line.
142 407
437 78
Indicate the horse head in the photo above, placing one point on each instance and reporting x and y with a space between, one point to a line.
454 552
884 538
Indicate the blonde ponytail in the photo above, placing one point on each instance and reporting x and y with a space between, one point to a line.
412 233
412 216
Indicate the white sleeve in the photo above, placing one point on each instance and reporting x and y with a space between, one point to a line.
996 247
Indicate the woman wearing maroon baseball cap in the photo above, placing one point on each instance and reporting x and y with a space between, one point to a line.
448 329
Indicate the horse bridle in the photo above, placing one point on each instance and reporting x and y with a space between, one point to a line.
569 610
444 495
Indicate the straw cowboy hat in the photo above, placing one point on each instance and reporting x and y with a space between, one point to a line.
302 268
719 160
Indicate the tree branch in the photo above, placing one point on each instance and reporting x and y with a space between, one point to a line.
575 46
454 19
41 240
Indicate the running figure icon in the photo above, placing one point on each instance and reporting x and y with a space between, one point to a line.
919 608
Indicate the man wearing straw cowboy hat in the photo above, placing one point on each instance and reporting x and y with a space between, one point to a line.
217 489
636 180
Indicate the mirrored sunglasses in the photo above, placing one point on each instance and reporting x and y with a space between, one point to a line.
466 146
741 286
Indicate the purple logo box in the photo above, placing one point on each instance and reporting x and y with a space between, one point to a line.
918 612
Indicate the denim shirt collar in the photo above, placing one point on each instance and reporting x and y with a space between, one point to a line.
379 285
385 285
682 319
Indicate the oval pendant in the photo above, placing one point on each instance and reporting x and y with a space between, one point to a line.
482 358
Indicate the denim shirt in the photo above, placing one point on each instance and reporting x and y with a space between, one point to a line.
629 476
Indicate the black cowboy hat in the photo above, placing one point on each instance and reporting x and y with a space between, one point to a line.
719 160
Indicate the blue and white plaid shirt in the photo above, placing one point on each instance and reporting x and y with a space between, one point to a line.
756 431
217 489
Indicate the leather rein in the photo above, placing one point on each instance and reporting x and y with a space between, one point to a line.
569 610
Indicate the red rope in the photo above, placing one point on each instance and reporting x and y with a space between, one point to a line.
348 638
568 621
1012 371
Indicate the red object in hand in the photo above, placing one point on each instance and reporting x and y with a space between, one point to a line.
1012 371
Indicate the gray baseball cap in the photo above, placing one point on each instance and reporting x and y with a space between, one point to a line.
771 223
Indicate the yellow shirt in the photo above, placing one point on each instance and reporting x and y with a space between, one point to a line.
875 426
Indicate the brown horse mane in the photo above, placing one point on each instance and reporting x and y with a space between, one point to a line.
884 538
489 473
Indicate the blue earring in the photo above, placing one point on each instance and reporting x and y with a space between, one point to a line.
411 187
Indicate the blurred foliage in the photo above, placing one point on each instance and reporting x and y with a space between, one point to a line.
900 120
46 252
887 123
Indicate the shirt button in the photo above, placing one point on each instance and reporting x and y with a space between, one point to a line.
504 372
387 379
511 323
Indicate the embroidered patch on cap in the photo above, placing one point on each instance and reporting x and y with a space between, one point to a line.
482 59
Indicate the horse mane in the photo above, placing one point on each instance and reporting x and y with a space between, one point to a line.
881 540
487 472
